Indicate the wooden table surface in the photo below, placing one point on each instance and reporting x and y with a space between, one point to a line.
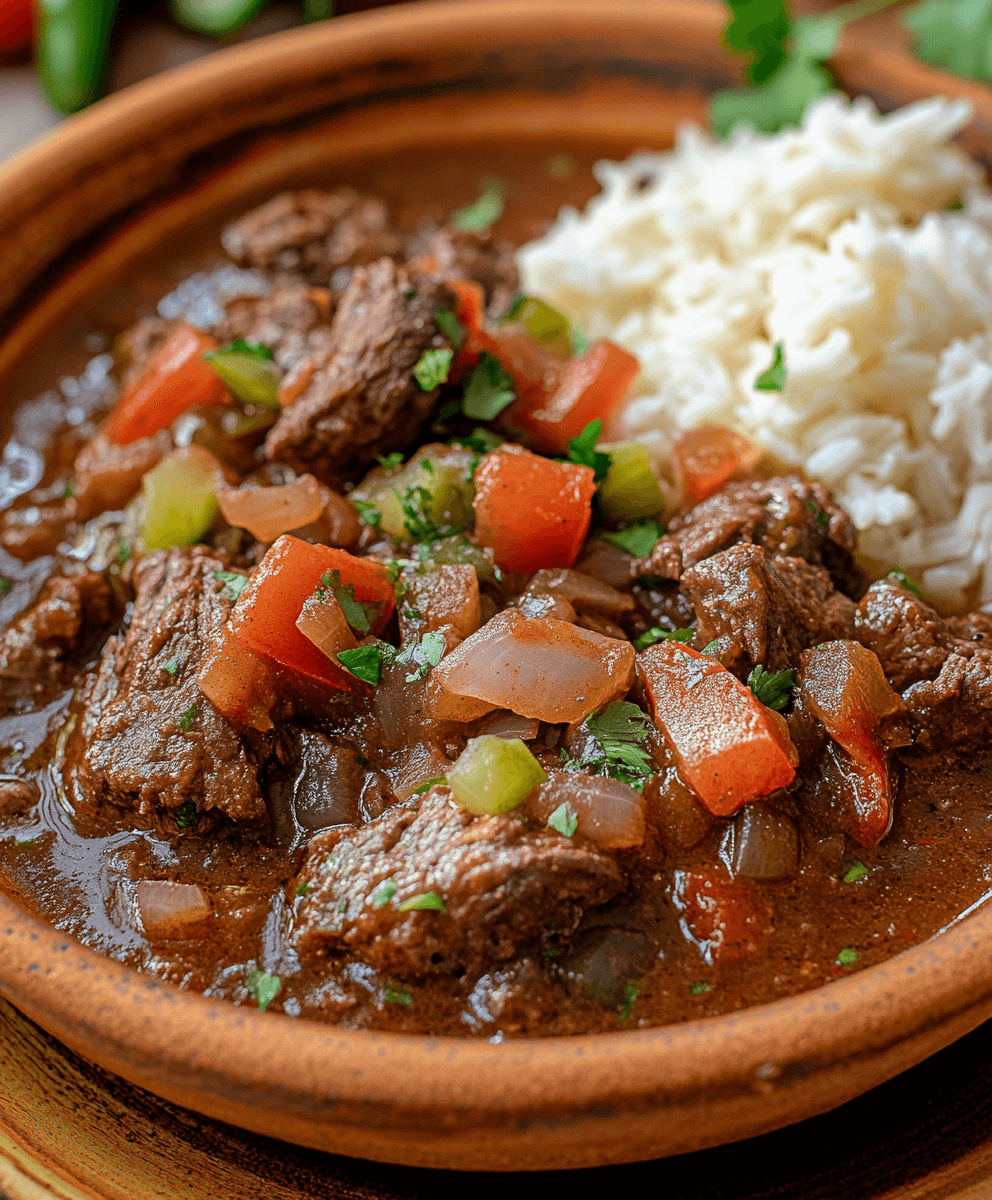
70 1131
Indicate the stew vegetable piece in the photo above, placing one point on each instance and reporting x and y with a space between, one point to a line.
350 672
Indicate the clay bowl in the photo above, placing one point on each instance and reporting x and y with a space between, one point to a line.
418 97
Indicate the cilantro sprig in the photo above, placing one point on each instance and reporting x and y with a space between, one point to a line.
262 988
481 213
772 690
905 582
432 368
955 35
488 390
650 636
366 662
773 379
582 450
619 732
234 584
360 614
639 538
564 820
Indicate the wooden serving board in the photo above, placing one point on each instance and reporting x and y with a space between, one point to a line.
69 1131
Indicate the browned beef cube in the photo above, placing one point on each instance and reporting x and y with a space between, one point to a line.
501 883
314 233
787 516
764 609
460 254
281 319
106 475
151 741
357 397
954 710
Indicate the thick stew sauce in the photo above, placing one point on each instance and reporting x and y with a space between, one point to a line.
349 670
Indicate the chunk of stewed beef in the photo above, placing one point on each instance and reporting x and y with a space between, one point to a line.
151 742
910 639
953 711
462 254
106 476
69 613
356 396
314 233
763 608
787 516
501 884
280 320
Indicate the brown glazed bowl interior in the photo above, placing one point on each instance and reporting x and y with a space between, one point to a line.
396 97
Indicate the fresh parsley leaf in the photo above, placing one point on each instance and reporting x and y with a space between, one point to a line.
758 28
663 635
433 367
955 205
390 461
234 584
364 662
480 440
517 305
711 647
773 380
483 212
699 987
846 957
70 487
579 341
413 614
904 581
619 731
773 691
368 512
358 613
488 390
397 995
383 894
582 450
422 903
170 667
820 518
252 349
448 325
187 815
5 586
627 1007
185 719
263 988
302 889
424 654
123 553
428 784
564 820
639 538
955 35
857 870
415 504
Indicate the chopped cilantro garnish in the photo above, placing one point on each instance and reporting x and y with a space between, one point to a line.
580 343
410 293
390 461
234 584
5 586
421 903
662 635
70 490
582 450
516 307
383 894
699 987
368 512
21 842
413 614
857 870
448 325
639 538
187 815
482 441
619 729
170 667
428 784
185 719
123 553
263 988
302 889
625 1010
564 820
488 390
904 581
240 346
424 654
820 518
846 957
956 205
711 647
773 380
364 662
397 995
482 212
432 368
415 504
953 34
358 613
774 691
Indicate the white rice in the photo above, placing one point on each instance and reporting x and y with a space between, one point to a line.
833 240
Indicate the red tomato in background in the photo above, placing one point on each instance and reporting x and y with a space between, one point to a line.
15 25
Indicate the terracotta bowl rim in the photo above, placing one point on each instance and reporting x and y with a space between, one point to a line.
310 1065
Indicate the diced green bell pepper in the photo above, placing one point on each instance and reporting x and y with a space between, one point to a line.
179 499
631 489
493 775
252 379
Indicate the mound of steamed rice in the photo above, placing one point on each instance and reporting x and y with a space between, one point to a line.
844 242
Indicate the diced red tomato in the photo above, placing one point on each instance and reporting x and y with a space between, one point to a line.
531 511
177 379
709 456
15 25
717 914
844 685
730 747
264 618
582 390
